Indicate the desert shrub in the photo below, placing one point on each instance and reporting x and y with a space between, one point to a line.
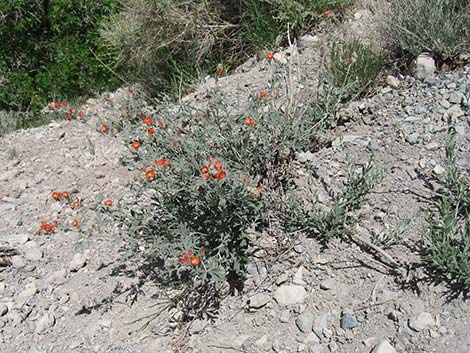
46 52
353 68
448 239
207 176
170 41
441 27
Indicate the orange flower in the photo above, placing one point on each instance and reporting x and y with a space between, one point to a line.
104 128
68 116
263 94
56 195
175 144
80 113
164 163
150 174
179 133
150 130
75 204
148 121
269 55
219 70
136 145
220 175
350 59
161 123
74 223
259 189
206 176
327 13
108 203
204 169
202 252
64 104
65 195
57 105
218 165
195 260
249 121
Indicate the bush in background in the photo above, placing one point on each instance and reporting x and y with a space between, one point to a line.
169 41
46 52
441 27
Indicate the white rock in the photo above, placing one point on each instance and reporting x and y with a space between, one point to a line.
384 347
32 251
308 40
298 277
393 82
453 112
259 300
421 322
280 58
14 238
439 170
78 261
425 67
290 295
28 292
305 321
45 322
328 284
58 277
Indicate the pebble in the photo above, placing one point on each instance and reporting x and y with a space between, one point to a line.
290 295
384 347
393 82
284 316
299 248
425 67
3 309
45 322
28 292
280 58
455 98
32 251
316 348
438 170
298 277
305 321
453 112
78 261
14 238
373 145
259 300
414 138
421 321
348 321
328 284
320 324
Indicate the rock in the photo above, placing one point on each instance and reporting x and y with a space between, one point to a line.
28 292
394 315
414 138
304 157
432 146
308 40
316 348
259 300
17 261
299 248
445 104
3 309
35 349
328 284
348 321
421 321
305 321
425 67
14 238
32 251
393 82
455 98
320 324
45 322
453 112
78 261
284 316
280 58
438 170
298 277
290 295
384 347
58 277
373 145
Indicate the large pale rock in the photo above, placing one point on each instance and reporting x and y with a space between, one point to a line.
290 295
384 347
425 67
421 321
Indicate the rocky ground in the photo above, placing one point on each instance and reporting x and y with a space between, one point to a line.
66 292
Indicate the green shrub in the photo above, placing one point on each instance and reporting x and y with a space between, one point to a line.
47 52
448 240
354 68
441 27
160 40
